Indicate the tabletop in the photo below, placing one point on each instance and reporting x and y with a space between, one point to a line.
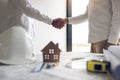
60 72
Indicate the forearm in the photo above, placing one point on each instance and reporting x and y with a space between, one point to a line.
77 20
25 7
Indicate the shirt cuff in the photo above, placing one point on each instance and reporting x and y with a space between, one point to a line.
49 21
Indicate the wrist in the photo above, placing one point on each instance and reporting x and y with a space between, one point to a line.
66 21
110 43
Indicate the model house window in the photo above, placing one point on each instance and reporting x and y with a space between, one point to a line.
47 56
55 56
51 51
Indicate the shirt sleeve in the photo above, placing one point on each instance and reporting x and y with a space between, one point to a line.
30 11
115 25
78 19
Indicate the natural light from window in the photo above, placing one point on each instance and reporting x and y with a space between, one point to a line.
80 31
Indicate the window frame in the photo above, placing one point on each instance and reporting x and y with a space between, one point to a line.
69 26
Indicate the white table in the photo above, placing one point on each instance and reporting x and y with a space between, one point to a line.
60 72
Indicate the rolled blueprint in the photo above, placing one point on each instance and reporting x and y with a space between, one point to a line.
115 50
115 64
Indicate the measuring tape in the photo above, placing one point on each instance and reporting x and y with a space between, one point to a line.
98 66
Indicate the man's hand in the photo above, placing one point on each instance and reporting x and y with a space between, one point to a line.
58 23
108 45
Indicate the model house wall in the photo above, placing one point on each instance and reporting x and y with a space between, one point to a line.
51 52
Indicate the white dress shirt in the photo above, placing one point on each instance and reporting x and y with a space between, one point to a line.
19 13
104 20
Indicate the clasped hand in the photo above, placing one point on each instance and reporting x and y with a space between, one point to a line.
58 23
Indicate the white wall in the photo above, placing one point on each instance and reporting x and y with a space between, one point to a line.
45 33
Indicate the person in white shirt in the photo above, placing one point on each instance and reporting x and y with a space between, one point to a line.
104 23
18 13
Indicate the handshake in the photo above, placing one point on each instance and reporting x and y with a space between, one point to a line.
59 23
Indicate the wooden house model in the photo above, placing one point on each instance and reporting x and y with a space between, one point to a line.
51 53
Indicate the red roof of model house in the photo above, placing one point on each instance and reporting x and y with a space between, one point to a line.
51 52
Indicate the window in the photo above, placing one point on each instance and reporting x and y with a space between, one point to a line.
47 56
79 32
55 56
51 51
